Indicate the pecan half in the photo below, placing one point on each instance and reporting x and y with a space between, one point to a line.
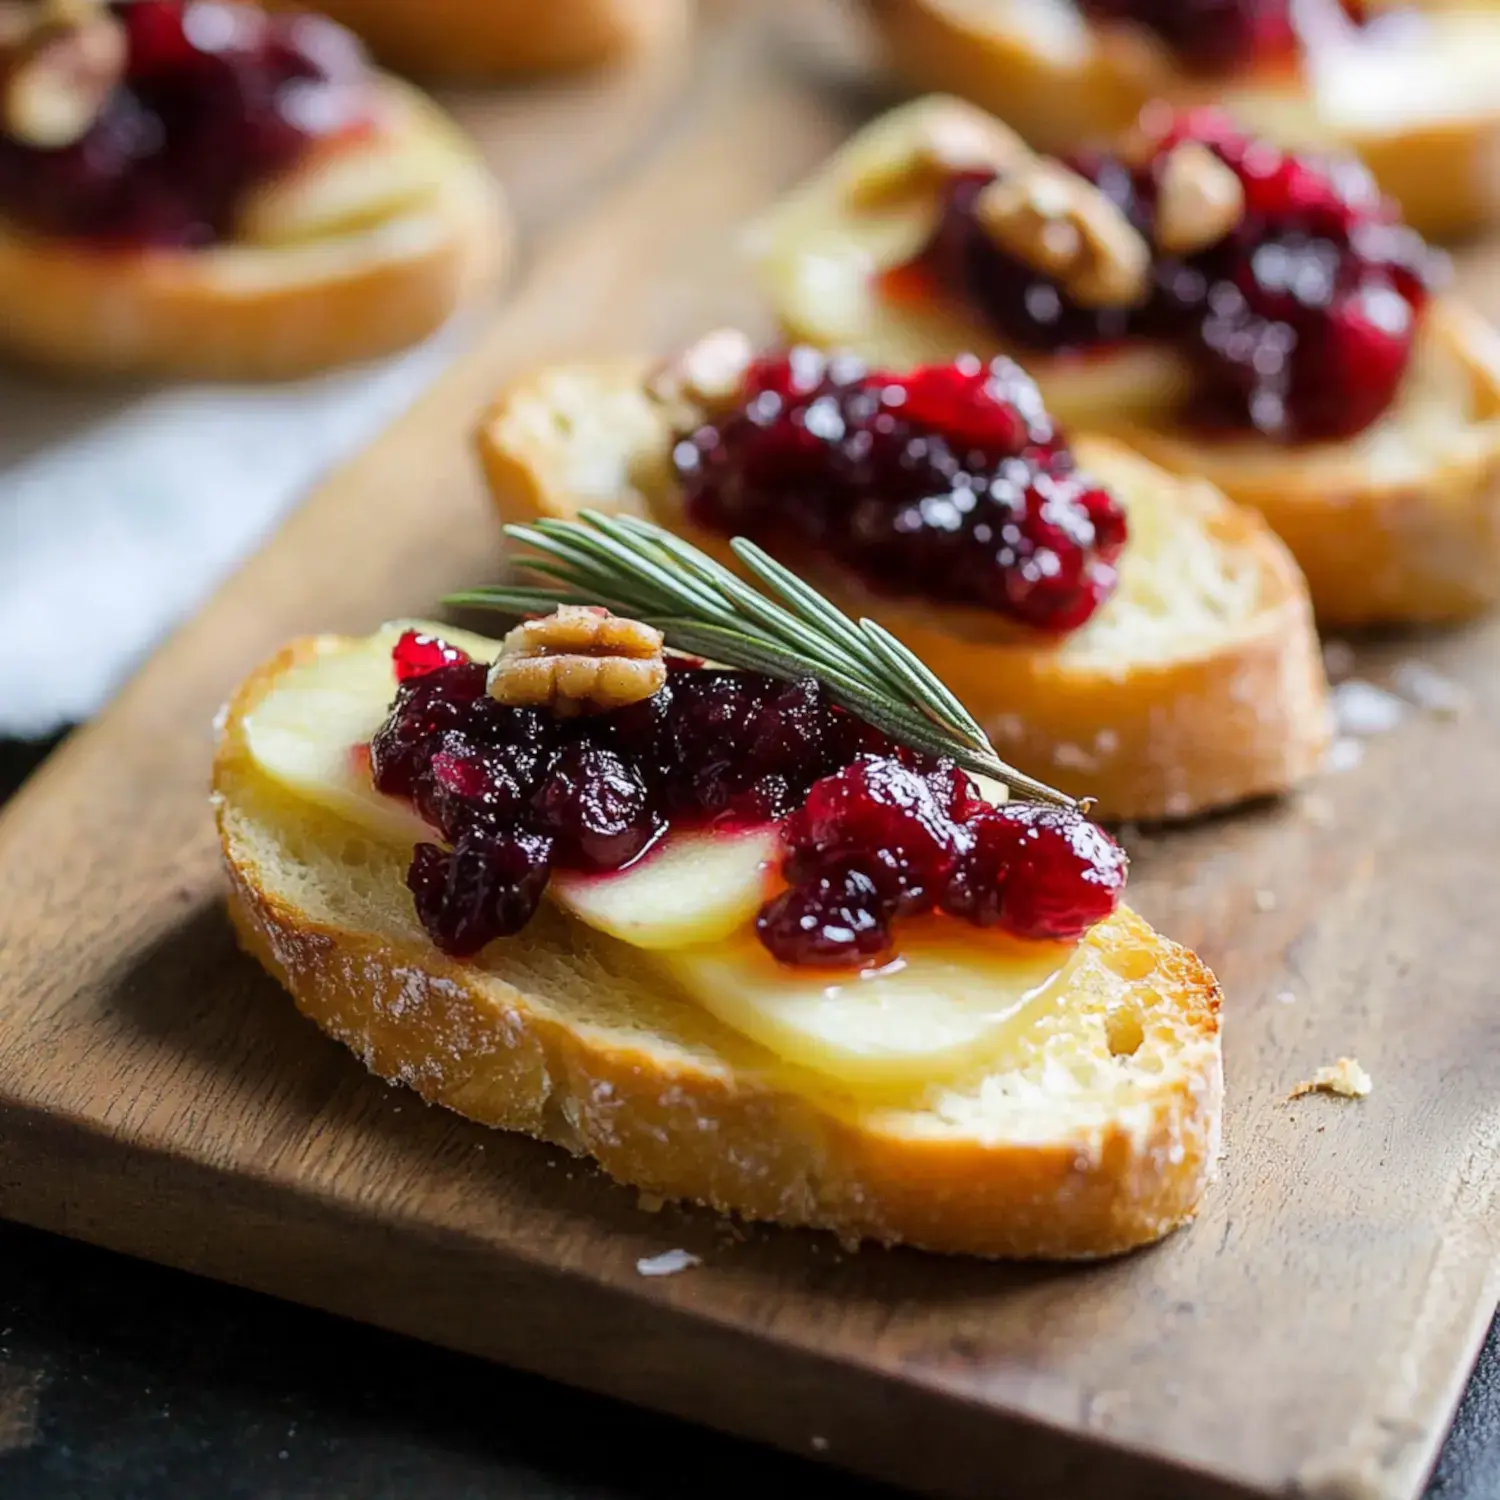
578 660
1061 224
707 374
942 145
57 72
1198 200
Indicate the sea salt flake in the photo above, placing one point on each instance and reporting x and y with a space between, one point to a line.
1343 755
668 1263
1360 708
1430 691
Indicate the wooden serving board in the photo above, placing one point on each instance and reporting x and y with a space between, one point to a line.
160 1096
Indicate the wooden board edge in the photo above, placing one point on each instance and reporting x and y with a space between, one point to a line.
466 1297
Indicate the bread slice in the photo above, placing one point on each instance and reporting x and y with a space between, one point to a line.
1198 685
495 38
1096 1131
1400 524
1419 104
368 247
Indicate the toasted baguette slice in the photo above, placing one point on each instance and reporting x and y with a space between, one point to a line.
1416 101
495 38
1198 685
1097 1131
368 246
1401 524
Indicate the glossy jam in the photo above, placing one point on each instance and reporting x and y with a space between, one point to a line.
218 97
947 482
1299 323
871 833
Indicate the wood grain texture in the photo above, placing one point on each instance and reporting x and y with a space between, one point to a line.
158 1095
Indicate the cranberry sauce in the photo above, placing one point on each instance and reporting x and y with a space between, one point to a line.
217 97
949 483
873 832
1210 38
1299 321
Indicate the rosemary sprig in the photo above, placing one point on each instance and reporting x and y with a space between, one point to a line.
638 569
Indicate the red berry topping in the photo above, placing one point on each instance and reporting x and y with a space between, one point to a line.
1300 320
1038 872
948 482
217 97
1210 36
917 837
417 653
836 918
874 833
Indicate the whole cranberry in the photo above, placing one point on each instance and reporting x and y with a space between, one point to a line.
596 807
1038 872
486 888
836 918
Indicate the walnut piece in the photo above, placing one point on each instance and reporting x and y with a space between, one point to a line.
944 144
57 71
1061 224
708 374
578 660
1199 200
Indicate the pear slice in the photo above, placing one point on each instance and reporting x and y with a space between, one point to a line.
945 999
343 186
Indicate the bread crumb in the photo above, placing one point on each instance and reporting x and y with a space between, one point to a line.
650 1203
1265 901
1317 810
1346 1078
1286 997
1343 755
668 1263
1430 691
820 1443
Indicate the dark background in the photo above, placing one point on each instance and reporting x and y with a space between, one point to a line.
124 1381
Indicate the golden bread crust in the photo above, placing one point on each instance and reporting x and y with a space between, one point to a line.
681 1125
492 38
1154 738
1445 172
274 312
1379 544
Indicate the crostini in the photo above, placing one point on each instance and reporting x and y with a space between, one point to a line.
1136 635
498 38
1261 320
1412 89
712 930
194 189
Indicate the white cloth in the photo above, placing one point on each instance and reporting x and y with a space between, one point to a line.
122 507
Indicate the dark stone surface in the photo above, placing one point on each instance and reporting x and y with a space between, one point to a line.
124 1381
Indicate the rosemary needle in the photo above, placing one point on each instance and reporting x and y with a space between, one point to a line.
786 629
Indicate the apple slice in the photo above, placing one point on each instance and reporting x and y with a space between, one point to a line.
947 998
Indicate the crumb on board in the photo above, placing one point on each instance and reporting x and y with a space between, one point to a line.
1265 901
820 1443
1346 1078
1286 997
1430 691
668 1263
650 1203
1317 810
